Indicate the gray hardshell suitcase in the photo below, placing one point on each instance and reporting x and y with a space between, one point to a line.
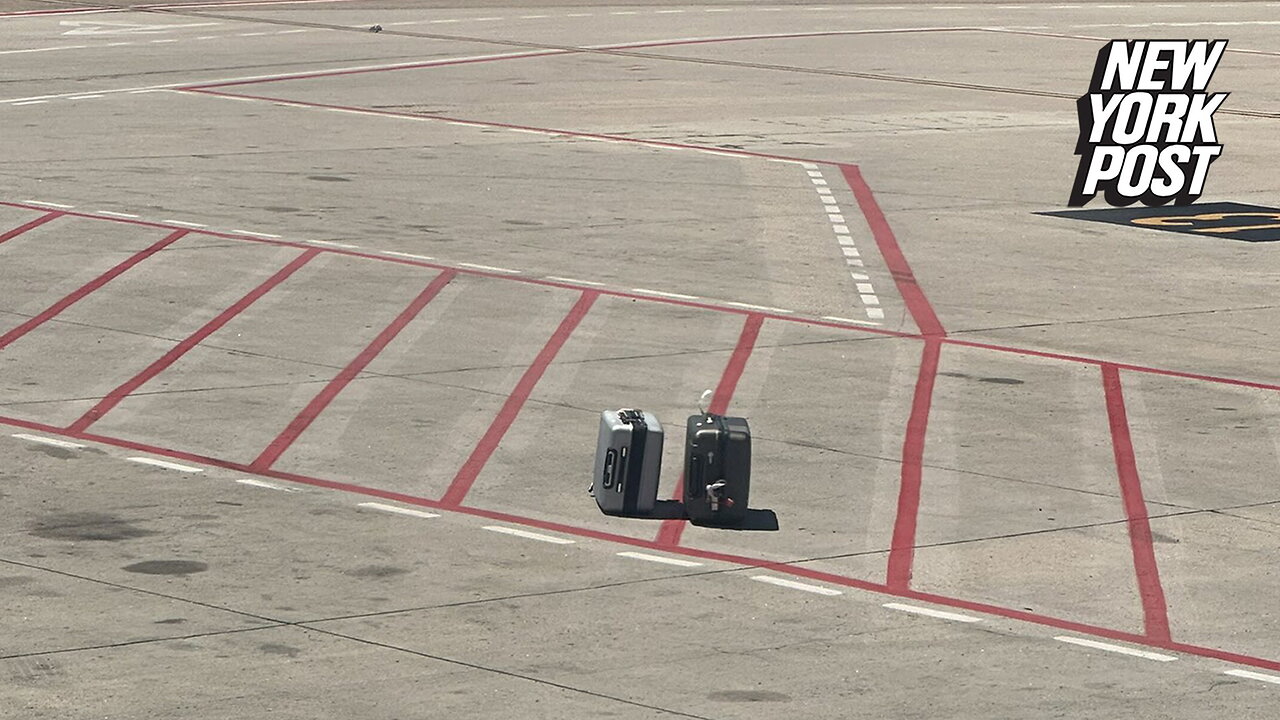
628 462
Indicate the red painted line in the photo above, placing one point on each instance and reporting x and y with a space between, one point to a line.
912 294
330 391
362 71
115 396
902 551
31 225
671 530
744 561
74 297
508 126
554 51
470 470
1154 609
1123 366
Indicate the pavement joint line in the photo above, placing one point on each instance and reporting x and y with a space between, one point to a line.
1119 649
49 441
793 585
1250 675
398 510
659 559
252 482
930 612
528 535
165 464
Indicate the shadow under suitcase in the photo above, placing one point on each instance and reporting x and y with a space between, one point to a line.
715 486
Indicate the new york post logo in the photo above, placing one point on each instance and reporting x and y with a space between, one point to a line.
1146 124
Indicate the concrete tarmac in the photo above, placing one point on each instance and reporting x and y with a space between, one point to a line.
305 331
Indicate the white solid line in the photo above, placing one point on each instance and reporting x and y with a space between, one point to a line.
782 582
526 130
264 484
407 255
575 281
660 559
43 49
252 34
291 32
526 534
84 97
764 308
725 153
165 464
490 268
1253 675
117 214
48 441
151 90
332 243
870 299
50 204
940 614
1114 648
866 288
875 313
184 223
840 229
395 509
834 318
835 218
30 102
255 234
660 293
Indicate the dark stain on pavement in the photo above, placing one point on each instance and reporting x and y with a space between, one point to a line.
376 571
87 526
748 696
167 567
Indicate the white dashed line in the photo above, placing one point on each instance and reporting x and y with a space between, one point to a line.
533 17
130 216
834 318
940 614
840 229
528 535
866 288
762 308
490 268
859 276
291 32
407 255
331 243
850 251
815 173
828 200
783 582
49 204
1253 676
660 293
575 281
660 559
844 240
1144 654
264 484
818 181
668 12
398 510
49 441
183 223
870 299
170 40
256 234
835 218
808 166
165 464
252 34
824 191
876 313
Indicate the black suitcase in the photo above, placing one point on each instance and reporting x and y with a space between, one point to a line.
717 469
